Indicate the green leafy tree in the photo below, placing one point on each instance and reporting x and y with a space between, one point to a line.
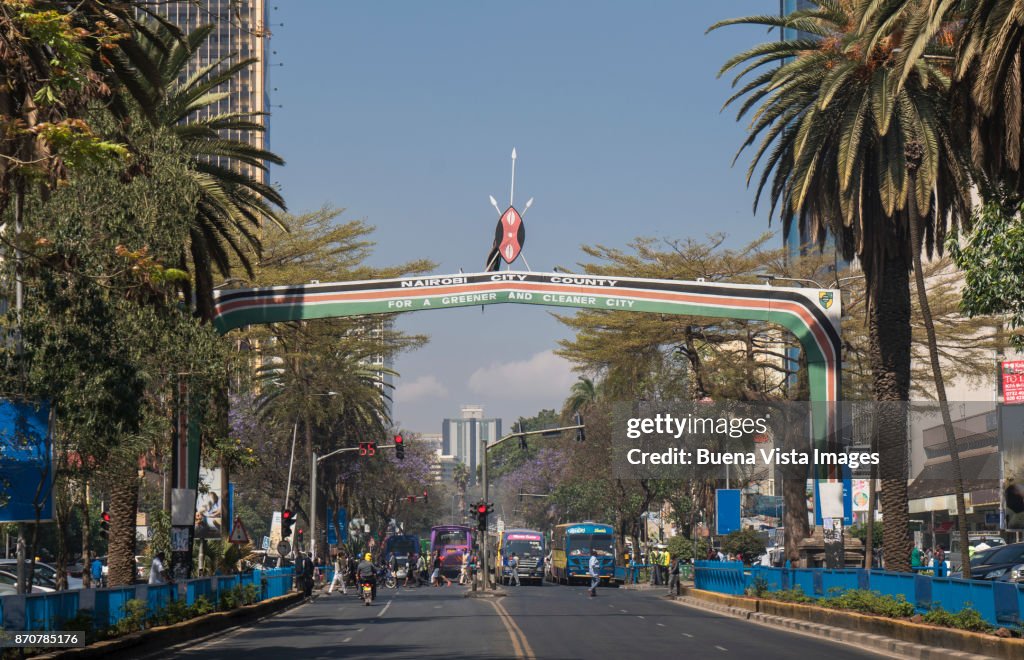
745 542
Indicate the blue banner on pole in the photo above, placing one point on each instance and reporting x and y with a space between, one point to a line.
343 523
26 462
332 536
727 509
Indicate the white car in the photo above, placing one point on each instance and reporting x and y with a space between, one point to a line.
11 580
46 574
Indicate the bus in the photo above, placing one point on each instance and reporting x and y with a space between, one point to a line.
404 546
570 551
451 542
529 548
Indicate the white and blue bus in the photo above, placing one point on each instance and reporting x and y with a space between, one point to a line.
571 545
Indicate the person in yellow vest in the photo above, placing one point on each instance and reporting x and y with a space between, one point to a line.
664 559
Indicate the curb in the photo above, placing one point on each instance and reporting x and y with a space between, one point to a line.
979 646
152 639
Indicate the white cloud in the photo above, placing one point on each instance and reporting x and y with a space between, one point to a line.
424 387
543 376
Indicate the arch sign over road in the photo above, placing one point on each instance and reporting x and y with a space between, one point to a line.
812 315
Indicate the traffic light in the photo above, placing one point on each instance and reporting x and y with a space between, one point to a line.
105 523
367 448
424 495
481 516
581 435
287 520
298 537
399 448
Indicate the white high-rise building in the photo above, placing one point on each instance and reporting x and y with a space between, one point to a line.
464 437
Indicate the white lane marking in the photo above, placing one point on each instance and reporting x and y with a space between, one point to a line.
662 625
639 616
688 635
623 611
381 613
437 607
721 648
347 639
611 606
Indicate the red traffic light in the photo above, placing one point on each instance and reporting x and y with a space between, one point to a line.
105 516
398 439
286 514
481 508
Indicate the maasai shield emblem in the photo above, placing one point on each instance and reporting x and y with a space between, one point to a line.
510 235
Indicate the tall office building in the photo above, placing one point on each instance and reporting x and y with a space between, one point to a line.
465 437
240 31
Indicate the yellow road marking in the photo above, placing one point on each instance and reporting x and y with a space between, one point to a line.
525 650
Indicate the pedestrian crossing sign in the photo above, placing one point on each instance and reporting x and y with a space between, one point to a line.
238 533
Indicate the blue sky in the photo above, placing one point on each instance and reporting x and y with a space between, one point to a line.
405 113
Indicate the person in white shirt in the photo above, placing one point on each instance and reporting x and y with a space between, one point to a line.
339 575
594 571
157 572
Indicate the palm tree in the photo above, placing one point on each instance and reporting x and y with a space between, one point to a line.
233 202
583 393
986 38
833 125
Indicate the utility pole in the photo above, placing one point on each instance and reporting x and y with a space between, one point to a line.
312 492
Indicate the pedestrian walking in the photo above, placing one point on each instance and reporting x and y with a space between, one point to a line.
593 569
513 565
673 576
437 575
939 557
421 571
96 571
157 571
305 573
340 566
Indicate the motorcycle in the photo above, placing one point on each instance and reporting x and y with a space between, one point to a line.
387 578
366 591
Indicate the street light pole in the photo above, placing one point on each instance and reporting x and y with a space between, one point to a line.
312 491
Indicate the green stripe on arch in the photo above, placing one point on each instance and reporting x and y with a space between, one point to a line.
797 310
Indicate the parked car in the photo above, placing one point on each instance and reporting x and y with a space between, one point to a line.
979 542
1005 563
45 574
38 587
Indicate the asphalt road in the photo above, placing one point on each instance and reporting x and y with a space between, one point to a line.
550 622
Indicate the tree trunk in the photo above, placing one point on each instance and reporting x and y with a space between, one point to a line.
869 541
124 500
794 477
940 385
889 331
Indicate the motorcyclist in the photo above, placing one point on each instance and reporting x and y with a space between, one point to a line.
367 572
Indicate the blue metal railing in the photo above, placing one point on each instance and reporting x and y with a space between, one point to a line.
109 605
998 603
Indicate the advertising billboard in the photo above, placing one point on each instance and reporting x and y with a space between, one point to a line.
26 462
